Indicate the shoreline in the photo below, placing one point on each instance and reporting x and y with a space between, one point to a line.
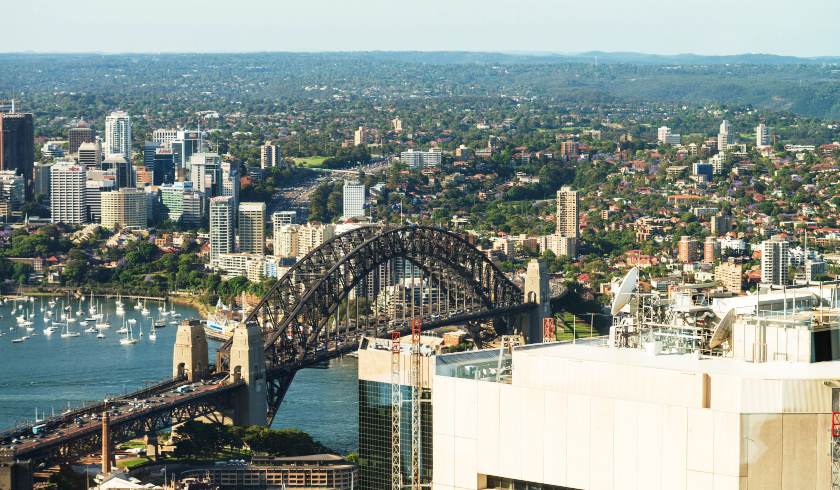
192 301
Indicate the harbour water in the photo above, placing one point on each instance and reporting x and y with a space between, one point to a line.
51 372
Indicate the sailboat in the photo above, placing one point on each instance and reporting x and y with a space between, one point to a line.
67 332
103 323
100 335
19 340
128 339
124 328
120 308
92 307
90 329
138 305
152 334
141 330
144 311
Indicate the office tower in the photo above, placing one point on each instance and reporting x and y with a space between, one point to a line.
396 124
124 208
707 170
230 181
123 170
775 260
52 150
206 173
181 203
17 146
721 224
687 249
710 250
41 179
97 183
67 193
421 159
90 154
164 137
360 136
280 218
725 136
270 155
12 190
354 200
78 135
285 240
185 145
567 213
118 134
222 224
163 165
762 135
149 149
666 137
252 227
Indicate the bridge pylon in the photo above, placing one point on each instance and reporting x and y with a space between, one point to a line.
190 359
536 291
247 363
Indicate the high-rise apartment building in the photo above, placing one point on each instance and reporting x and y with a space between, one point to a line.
270 155
124 208
285 240
67 193
252 227
775 261
725 136
78 135
41 180
666 137
280 218
567 213
222 226
710 250
569 150
421 159
185 145
688 249
17 146
762 136
97 182
396 124
230 181
118 134
728 274
360 136
354 200
12 190
720 224
312 235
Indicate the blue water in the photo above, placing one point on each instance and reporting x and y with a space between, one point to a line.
52 373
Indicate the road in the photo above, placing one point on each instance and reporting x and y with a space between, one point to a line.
296 198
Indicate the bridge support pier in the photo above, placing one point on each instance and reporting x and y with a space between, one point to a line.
536 291
190 359
247 363
14 474
152 448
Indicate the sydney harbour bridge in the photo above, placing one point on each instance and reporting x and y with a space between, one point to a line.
319 310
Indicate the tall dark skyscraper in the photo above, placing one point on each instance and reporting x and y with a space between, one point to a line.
17 145
78 135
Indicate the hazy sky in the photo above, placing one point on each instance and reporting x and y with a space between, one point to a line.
790 27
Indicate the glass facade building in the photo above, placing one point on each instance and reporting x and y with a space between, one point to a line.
375 435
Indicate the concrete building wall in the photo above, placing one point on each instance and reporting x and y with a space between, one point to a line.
601 425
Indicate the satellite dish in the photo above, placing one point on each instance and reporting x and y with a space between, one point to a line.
723 330
625 290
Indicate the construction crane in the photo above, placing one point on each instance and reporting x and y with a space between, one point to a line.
416 389
396 408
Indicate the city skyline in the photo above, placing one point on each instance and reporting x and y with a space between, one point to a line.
535 26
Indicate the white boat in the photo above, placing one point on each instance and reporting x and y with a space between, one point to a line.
90 329
124 328
132 321
19 340
103 323
67 333
144 311
152 335
48 331
92 307
138 306
100 335
128 339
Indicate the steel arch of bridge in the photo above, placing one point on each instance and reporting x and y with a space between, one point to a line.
294 314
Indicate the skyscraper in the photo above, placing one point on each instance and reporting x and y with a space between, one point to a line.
206 173
775 260
17 146
78 135
12 191
354 200
567 213
270 155
725 136
230 181
252 227
222 224
90 154
762 135
67 193
124 171
285 240
181 203
124 208
118 134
